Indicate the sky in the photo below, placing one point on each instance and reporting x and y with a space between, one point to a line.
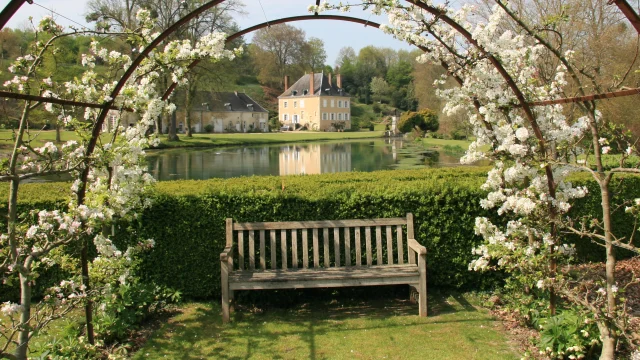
335 34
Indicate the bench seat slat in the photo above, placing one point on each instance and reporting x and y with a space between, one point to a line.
318 224
332 277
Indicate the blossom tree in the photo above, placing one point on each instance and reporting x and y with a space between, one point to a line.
534 146
106 165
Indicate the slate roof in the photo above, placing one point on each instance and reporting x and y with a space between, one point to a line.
217 101
320 84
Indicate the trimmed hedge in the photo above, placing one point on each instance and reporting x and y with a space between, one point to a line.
187 220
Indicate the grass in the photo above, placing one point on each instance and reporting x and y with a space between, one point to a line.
443 142
213 140
330 329
207 140
39 138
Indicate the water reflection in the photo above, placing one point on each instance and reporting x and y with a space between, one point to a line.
315 159
294 159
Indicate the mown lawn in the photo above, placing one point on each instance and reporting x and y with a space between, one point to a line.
443 142
373 329
206 140
264 138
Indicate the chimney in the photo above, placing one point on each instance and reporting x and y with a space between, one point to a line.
330 83
339 81
286 82
311 83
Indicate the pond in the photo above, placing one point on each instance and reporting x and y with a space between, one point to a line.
297 158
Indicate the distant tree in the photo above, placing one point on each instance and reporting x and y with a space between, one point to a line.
346 54
425 120
400 74
379 87
313 55
278 52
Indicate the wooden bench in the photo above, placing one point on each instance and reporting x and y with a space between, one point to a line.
318 254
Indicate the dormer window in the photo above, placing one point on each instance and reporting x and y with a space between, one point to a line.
227 106
305 92
294 92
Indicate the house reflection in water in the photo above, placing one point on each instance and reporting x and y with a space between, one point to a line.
315 159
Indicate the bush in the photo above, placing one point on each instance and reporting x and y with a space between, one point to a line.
187 220
458 135
425 120
208 128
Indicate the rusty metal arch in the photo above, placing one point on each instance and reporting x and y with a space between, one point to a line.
626 9
13 6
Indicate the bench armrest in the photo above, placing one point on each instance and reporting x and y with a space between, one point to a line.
415 246
226 254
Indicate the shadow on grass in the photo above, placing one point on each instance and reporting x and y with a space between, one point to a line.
293 331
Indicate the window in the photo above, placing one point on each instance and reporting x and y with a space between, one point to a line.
286 117
295 119
301 115
333 103
295 104
324 103
346 116
346 103
324 116
301 103
340 103
286 104
333 116
339 116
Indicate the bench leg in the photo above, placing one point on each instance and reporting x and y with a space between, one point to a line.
413 293
224 274
232 301
422 287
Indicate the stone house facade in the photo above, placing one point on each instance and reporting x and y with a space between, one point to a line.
327 107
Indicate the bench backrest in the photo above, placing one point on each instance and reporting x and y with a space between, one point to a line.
320 244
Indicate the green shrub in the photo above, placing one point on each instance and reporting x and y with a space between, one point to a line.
187 220
425 120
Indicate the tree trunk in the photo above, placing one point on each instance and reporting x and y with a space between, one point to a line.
608 336
608 343
25 316
187 110
173 136
12 211
158 129
88 307
58 139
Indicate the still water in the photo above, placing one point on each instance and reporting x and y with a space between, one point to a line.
295 159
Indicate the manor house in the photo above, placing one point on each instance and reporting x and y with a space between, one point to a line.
315 102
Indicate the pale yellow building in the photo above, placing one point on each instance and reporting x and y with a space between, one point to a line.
326 107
